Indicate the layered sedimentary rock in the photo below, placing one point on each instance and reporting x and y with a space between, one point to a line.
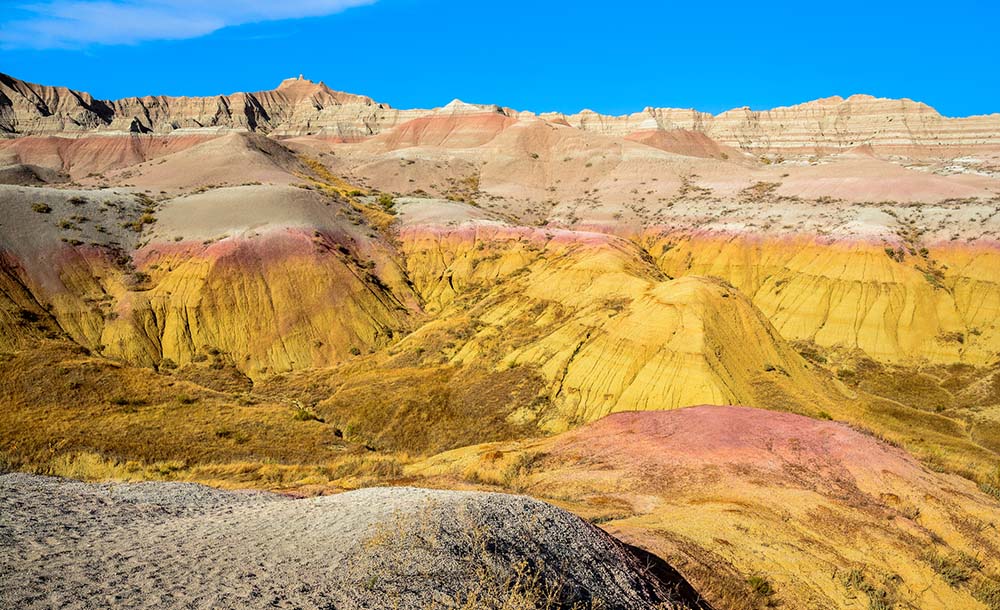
622 270
941 307
93 156
818 127
681 141
605 328
301 107
297 106
282 284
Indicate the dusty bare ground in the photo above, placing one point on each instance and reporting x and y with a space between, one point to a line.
168 545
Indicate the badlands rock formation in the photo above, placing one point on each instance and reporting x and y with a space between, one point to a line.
816 128
297 106
301 107
304 290
657 270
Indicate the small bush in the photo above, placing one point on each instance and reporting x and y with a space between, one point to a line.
41 208
761 590
847 375
304 413
910 511
307 415
386 202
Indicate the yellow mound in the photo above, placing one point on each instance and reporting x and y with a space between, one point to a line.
603 326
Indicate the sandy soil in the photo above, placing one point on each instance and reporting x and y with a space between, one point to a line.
165 545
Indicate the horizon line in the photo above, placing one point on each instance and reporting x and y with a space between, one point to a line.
510 108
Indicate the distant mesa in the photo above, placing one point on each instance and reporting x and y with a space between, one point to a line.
300 107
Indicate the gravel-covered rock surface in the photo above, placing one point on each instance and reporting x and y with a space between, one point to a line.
66 544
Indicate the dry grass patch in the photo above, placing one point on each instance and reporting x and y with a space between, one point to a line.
76 415
431 409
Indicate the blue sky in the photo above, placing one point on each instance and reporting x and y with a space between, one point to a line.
613 57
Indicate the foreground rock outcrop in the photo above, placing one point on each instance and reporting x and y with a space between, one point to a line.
156 545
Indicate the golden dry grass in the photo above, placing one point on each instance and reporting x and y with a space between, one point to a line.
333 186
71 414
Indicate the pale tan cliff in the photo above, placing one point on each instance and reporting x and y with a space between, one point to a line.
818 127
301 107
296 107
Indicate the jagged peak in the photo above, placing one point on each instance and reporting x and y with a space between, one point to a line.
301 88
297 82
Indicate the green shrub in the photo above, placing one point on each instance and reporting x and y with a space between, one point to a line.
303 413
387 202
761 588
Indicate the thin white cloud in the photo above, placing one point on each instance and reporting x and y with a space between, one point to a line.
79 23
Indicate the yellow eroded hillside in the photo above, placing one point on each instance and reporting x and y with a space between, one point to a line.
606 329
938 304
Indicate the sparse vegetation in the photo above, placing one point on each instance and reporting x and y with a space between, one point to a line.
881 595
304 413
759 192
387 203
761 589
955 568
